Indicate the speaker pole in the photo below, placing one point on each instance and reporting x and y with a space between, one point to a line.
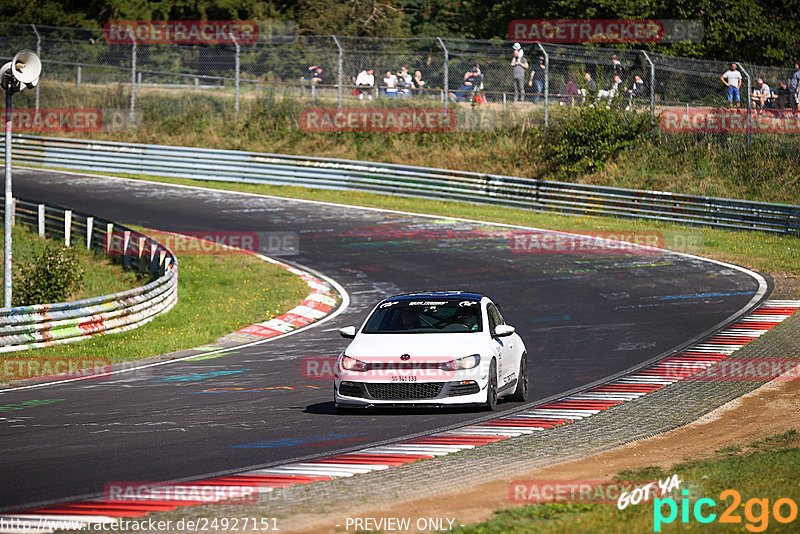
9 205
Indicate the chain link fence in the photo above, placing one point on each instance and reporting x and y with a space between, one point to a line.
132 83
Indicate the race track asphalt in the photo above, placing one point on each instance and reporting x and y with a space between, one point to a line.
582 316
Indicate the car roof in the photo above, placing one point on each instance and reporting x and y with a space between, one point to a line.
447 295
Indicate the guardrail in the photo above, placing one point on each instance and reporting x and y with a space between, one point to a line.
403 180
43 325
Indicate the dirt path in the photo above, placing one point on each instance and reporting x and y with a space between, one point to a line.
772 409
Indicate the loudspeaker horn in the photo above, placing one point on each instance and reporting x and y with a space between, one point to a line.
26 67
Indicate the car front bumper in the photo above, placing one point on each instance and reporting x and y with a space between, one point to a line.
386 393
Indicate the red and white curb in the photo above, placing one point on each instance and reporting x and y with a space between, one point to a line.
563 411
315 306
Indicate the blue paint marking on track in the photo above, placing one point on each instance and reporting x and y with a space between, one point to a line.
313 441
200 376
704 295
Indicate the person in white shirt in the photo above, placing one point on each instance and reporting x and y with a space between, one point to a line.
761 93
390 84
365 81
733 81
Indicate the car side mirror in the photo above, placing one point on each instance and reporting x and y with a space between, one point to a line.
348 332
503 330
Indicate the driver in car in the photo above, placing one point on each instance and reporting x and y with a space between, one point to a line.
466 317
409 319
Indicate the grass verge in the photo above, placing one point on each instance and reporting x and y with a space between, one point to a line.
487 140
760 473
217 294
100 275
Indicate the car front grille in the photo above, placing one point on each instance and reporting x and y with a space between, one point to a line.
404 390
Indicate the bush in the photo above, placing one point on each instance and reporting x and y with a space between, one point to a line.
52 277
585 139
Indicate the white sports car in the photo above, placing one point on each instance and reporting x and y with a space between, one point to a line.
435 348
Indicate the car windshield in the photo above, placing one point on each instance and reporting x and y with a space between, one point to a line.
425 317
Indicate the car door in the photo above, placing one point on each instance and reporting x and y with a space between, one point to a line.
503 347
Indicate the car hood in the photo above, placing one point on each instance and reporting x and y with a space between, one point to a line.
438 347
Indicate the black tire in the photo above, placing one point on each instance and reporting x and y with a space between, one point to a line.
521 392
491 389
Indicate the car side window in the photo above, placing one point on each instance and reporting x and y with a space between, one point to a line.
493 317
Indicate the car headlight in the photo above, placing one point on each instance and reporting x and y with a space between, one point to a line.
351 364
467 362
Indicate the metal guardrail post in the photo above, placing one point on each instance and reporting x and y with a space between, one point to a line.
236 80
546 85
341 63
749 103
38 53
133 76
652 89
446 73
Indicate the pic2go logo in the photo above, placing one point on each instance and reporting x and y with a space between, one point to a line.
756 511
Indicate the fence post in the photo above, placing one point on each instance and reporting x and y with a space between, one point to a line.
38 53
446 73
749 103
78 78
236 82
652 89
341 61
546 85
68 228
133 76
41 220
89 232
139 83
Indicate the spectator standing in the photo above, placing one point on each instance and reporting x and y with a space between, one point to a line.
794 87
616 68
518 67
761 93
365 82
417 83
537 79
390 84
733 81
